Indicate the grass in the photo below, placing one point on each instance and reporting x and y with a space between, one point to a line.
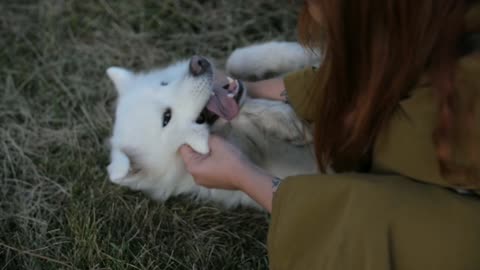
57 207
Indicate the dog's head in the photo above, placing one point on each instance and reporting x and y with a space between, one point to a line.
160 110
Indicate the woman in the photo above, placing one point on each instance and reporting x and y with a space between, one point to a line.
396 103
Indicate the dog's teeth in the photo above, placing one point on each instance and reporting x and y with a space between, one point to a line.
231 95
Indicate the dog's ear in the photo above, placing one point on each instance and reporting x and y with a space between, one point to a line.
120 78
119 167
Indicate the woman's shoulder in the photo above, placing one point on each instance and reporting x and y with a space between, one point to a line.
405 146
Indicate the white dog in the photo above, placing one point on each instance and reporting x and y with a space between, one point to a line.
160 110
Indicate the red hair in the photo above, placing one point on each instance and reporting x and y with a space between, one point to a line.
375 53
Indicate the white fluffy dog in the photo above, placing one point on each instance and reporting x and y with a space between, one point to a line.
160 110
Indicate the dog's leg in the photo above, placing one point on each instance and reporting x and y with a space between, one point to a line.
270 59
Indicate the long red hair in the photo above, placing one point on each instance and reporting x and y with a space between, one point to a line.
375 53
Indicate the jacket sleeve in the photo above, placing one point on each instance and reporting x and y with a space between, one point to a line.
300 87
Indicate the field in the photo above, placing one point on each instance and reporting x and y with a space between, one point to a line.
57 208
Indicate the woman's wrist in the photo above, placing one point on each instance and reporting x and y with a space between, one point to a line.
243 173
256 183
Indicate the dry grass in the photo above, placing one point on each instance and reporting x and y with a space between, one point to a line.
57 208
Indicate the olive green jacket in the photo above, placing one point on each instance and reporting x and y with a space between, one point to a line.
404 214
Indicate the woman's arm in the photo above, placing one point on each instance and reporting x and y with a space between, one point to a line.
225 167
273 89
259 185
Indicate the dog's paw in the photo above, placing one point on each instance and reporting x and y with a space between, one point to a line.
263 61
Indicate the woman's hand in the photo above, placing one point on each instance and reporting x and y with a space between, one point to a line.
225 167
222 168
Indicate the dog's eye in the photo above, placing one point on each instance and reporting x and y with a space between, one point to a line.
164 83
167 115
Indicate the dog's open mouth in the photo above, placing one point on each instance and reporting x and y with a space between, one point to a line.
224 101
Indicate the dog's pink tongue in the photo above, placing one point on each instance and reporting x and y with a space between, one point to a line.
222 105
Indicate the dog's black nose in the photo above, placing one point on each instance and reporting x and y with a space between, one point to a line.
199 65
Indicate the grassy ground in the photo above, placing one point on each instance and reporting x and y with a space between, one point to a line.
57 208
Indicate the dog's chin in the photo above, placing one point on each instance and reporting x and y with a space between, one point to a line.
234 89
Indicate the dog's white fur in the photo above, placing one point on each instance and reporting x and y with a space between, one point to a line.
144 154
